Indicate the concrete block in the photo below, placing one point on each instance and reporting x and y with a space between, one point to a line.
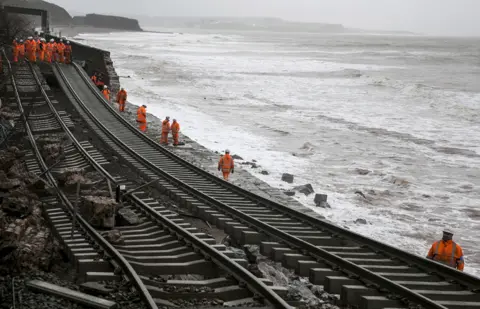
333 284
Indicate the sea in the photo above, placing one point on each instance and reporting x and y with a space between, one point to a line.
388 126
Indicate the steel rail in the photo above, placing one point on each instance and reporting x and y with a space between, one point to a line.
106 247
470 281
295 242
233 268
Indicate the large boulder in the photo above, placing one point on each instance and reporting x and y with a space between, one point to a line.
126 216
114 237
7 159
99 211
305 189
321 201
287 177
7 184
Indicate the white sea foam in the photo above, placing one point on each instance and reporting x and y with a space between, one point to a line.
409 119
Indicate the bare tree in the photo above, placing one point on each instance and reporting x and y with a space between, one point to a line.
13 26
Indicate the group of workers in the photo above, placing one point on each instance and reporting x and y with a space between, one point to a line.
121 95
444 251
174 127
34 48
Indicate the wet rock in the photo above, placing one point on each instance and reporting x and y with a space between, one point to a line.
126 216
264 172
305 189
319 198
98 210
95 288
289 193
253 165
8 184
361 221
287 177
362 171
251 252
17 206
255 270
324 205
399 181
361 194
237 157
16 152
114 237
7 159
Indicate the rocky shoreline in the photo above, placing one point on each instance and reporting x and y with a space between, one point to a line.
207 159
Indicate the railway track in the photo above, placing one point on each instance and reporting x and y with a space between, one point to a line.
89 251
360 270
160 245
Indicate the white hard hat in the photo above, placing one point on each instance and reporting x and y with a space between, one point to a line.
105 86
61 40
227 150
21 41
448 231
52 40
68 42
30 37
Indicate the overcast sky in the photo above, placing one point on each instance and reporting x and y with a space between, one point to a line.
452 17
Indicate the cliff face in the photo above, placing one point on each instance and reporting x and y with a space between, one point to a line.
58 15
107 21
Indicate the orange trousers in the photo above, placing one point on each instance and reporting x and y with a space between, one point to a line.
61 57
225 175
32 57
175 138
121 106
42 55
48 56
164 139
142 126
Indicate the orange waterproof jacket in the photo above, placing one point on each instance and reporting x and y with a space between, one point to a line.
141 114
106 93
175 127
165 126
448 253
121 96
20 48
226 163
60 47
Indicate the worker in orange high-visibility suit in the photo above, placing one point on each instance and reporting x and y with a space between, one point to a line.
21 50
106 93
121 99
61 51
27 47
165 131
15 50
175 130
37 44
226 164
42 49
49 51
32 50
447 252
142 118
68 53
